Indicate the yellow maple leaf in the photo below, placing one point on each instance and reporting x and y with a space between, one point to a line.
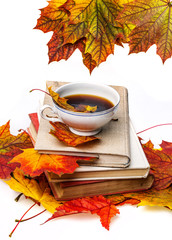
37 190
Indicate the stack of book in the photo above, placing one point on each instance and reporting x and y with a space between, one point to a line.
120 165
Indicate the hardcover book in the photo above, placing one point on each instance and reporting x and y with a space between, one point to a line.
91 181
138 168
113 148
71 190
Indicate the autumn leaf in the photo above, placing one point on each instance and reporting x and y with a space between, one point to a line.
152 197
96 21
91 20
166 147
58 50
103 207
160 163
38 190
33 163
63 103
54 16
153 20
10 146
63 134
160 194
104 23
120 200
7 168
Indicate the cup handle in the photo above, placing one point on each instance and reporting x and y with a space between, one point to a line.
49 118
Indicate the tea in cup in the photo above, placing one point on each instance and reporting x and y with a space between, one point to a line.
102 98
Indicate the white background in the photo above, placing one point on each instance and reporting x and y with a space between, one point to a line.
24 65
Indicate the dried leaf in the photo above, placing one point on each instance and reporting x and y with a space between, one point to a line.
153 197
10 146
160 163
85 108
153 20
38 190
33 163
62 102
99 205
63 134
120 200
54 15
161 167
92 20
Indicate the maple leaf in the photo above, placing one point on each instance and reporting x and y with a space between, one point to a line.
10 146
62 102
58 50
38 190
99 205
120 199
33 163
91 20
54 15
160 193
153 197
153 20
160 163
63 133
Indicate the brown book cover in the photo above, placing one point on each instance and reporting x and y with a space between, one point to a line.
113 150
62 191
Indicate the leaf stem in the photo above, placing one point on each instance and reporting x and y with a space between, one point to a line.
21 219
159 125
37 89
26 219
18 197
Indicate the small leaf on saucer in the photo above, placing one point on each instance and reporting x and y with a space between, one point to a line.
63 133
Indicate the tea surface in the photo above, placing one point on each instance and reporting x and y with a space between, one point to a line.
91 100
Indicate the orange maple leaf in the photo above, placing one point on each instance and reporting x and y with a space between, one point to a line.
73 20
160 163
33 163
99 205
63 133
160 194
10 146
153 20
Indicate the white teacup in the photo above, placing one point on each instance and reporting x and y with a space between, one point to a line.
81 123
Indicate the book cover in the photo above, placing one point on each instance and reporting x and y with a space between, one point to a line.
113 150
62 191
138 168
134 178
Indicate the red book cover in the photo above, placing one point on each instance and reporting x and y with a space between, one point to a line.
34 120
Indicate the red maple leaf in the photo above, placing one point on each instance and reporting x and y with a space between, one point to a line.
11 146
160 163
99 205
